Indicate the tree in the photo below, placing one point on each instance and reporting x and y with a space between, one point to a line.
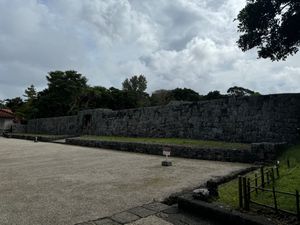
135 84
272 26
213 95
161 97
30 93
185 94
2 104
134 90
62 95
14 104
94 97
240 91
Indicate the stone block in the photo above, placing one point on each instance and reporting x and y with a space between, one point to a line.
156 206
142 212
125 217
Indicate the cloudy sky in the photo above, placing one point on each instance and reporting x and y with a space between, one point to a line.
174 43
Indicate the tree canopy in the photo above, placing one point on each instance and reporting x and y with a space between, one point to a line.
135 84
272 26
240 91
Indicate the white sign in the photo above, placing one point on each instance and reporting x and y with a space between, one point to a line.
167 152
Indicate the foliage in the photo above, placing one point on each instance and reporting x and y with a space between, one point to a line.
185 94
213 95
240 91
30 94
161 97
272 26
62 95
135 84
134 92
14 104
2 104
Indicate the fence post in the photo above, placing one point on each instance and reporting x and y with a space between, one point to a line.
272 175
297 204
256 183
262 176
275 200
240 192
246 204
248 192
277 171
268 177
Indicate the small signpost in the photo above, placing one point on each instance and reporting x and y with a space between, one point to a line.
167 153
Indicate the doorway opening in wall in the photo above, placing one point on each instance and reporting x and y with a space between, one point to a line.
87 120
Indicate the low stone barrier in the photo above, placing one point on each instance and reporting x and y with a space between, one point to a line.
229 155
220 213
32 137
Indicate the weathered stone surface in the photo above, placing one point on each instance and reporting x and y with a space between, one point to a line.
125 217
105 221
156 206
268 118
151 220
142 212
201 194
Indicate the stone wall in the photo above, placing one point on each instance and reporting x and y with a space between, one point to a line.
269 118
262 152
66 125
19 128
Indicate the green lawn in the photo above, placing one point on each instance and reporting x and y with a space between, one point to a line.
175 141
289 181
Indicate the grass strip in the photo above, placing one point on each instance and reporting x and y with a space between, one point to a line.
175 141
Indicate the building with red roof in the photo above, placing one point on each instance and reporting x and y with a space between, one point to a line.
6 119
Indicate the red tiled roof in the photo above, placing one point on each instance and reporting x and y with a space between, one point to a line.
6 113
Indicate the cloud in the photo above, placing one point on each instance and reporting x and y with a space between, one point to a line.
175 43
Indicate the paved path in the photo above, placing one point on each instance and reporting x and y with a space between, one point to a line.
49 184
154 213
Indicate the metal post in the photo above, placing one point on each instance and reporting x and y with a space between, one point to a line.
288 163
246 207
248 192
272 175
277 171
268 178
297 204
240 192
256 183
275 200
262 177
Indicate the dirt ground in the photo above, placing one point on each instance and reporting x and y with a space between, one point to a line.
46 183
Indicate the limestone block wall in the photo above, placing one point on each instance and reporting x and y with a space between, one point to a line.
66 125
247 119
269 118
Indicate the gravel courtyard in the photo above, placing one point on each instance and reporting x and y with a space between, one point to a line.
49 184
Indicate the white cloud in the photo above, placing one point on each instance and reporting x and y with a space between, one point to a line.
175 43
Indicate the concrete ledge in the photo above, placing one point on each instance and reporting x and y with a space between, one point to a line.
219 213
39 137
228 155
